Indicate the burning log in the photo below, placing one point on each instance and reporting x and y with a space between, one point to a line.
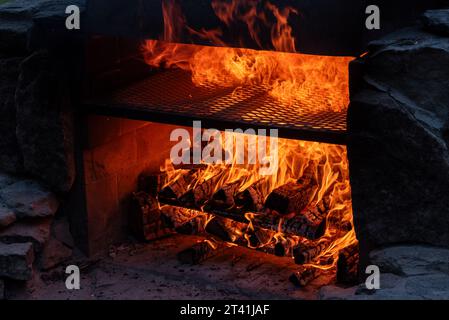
261 237
304 276
291 197
310 223
201 251
217 229
145 218
285 247
177 187
307 253
251 199
232 231
224 197
347 264
200 193
183 220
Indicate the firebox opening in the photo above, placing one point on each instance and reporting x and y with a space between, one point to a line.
302 212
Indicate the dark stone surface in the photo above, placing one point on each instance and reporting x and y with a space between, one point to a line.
411 260
36 232
406 272
398 152
44 122
437 21
7 216
10 155
29 199
16 261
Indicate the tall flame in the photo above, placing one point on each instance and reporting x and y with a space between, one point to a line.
329 166
288 77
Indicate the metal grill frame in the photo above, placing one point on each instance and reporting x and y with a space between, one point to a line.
170 97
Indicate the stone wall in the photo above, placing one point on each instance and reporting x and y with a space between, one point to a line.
398 148
38 69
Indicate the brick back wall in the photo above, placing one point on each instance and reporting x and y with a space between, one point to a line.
117 151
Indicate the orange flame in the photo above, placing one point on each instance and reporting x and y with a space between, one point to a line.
330 169
288 77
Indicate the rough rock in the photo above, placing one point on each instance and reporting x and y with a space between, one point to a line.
44 122
437 21
29 199
36 232
406 272
16 261
54 253
18 21
411 260
397 146
10 155
7 217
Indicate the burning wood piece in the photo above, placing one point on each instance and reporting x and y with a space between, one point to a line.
291 197
285 246
224 197
235 232
304 276
307 253
347 264
217 229
201 251
145 218
183 220
225 229
251 199
260 237
200 193
310 223
338 226
177 187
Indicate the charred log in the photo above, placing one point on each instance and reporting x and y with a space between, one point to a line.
251 199
218 229
145 218
178 187
347 265
310 252
201 251
284 247
224 197
183 220
310 223
202 192
292 197
304 276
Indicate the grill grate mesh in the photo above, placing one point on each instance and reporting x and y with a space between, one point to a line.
172 93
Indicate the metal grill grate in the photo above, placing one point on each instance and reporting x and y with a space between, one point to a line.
170 97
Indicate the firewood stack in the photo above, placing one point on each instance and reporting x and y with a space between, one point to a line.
287 222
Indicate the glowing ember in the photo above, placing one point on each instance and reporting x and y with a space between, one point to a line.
286 76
